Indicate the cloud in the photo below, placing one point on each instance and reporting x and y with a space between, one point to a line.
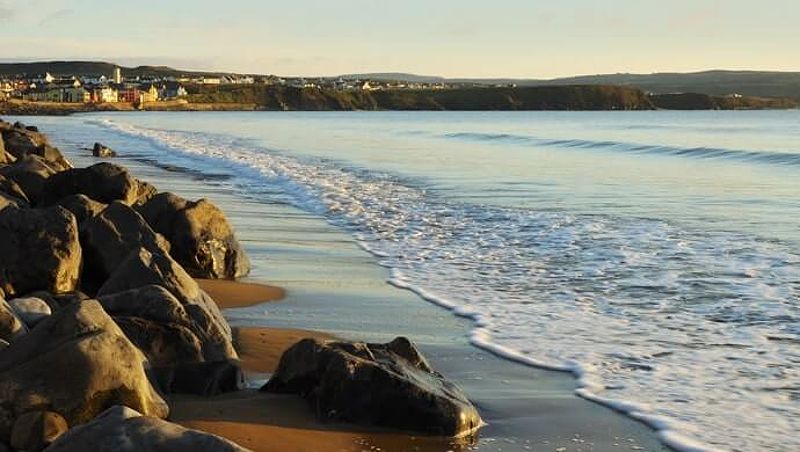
55 16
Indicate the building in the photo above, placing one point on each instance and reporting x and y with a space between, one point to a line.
149 94
172 90
117 76
103 95
76 95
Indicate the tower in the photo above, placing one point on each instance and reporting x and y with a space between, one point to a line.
117 77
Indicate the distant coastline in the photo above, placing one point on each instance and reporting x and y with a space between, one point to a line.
284 98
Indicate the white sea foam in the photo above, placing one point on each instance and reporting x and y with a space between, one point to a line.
687 331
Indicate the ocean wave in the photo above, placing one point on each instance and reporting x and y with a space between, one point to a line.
632 307
766 157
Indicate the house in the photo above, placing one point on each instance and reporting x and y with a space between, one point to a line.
171 90
103 95
76 95
44 94
148 94
211 81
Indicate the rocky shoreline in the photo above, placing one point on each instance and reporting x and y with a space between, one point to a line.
102 321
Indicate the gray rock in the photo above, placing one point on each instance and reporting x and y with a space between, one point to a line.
76 363
21 142
30 310
186 356
40 250
103 182
390 385
121 429
202 240
82 207
30 173
35 430
109 237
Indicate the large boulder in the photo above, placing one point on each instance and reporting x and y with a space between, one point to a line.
21 142
30 173
186 354
40 250
202 318
82 207
11 326
121 429
5 157
35 430
103 182
109 237
76 363
12 189
202 239
389 385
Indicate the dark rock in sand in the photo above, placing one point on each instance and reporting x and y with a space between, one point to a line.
30 173
103 182
202 317
389 385
82 207
76 363
121 429
186 355
102 151
202 239
11 326
40 251
36 430
109 238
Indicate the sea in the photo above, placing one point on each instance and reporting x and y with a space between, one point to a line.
653 255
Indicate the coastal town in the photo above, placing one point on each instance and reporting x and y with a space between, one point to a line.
141 90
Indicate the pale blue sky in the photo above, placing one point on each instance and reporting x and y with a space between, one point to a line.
492 38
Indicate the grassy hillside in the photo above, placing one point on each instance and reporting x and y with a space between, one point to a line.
87 68
533 98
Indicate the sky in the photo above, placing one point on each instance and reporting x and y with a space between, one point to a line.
466 38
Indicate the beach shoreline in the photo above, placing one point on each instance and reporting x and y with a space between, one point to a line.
333 286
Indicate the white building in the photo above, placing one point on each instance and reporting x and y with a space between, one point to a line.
117 76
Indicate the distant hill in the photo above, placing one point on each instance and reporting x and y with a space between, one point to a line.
717 83
89 68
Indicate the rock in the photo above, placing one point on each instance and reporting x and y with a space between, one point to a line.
21 142
100 150
30 173
40 251
76 363
3 345
11 326
11 188
82 207
186 356
35 430
389 385
103 182
5 157
109 237
121 429
143 268
30 310
202 239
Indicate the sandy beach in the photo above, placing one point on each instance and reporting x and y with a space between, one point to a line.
268 422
